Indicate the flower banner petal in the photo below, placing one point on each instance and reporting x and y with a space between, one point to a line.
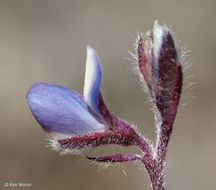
92 79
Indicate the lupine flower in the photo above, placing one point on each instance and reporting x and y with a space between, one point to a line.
72 121
75 122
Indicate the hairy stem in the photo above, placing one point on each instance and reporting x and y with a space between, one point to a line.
154 160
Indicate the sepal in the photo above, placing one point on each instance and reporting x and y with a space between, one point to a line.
116 158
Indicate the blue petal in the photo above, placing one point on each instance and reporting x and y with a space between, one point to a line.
92 79
62 110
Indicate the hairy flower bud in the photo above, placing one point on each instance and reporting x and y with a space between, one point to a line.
161 68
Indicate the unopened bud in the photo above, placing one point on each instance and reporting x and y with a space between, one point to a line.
161 69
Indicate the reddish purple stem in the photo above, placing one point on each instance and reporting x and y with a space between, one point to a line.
116 158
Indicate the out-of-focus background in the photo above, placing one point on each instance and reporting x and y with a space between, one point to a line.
44 40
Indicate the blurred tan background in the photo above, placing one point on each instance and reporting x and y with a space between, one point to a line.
44 40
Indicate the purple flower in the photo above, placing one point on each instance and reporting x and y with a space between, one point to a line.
73 121
63 110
